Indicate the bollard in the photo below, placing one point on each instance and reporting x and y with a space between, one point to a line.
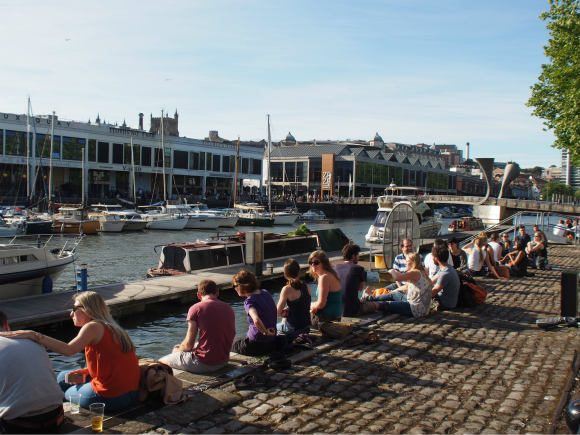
82 278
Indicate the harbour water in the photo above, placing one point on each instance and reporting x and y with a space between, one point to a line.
127 256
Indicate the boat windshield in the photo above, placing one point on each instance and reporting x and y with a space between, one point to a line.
381 219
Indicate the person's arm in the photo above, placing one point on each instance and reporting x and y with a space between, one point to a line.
188 343
412 275
437 286
258 322
323 290
282 301
89 334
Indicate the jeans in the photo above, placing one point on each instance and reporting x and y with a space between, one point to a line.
403 308
395 296
88 395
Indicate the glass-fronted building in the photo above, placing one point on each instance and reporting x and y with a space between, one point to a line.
194 168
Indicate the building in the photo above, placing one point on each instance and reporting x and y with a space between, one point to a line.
570 173
193 167
355 168
553 173
450 153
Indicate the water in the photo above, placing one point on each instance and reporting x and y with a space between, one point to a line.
127 256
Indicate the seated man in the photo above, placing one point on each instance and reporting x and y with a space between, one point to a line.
400 261
30 398
214 322
458 255
430 267
446 282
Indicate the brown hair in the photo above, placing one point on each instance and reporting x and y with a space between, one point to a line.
324 262
292 273
207 287
246 281
350 250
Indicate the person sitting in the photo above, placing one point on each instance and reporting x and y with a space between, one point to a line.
352 280
213 321
400 261
458 255
506 244
522 237
495 246
414 298
537 252
517 261
560 229
328 305
430 265
447 283
112 374
260 309
536 229
294 302
478 261
30 398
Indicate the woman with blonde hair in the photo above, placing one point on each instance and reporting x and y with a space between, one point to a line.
413 299
328 305
479 261
112 374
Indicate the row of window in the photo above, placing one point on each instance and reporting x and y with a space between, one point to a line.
71 148
5 261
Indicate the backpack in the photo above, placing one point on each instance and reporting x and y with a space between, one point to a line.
470 293
477 292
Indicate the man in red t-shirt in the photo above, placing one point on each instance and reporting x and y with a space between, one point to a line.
212 322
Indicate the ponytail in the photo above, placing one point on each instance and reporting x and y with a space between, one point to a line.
292 274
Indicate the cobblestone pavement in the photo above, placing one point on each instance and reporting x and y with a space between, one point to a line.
485 370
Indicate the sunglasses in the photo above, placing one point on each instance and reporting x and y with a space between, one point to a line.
76 307
314 262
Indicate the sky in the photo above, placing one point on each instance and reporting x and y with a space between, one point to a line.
415 71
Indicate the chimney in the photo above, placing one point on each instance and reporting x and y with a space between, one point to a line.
213 136
141 121
467 151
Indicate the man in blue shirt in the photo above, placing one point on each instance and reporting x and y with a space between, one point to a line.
400 262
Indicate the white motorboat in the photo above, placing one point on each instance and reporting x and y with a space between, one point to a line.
158 219
225 218
111 224
314 215
29 266
9 229
429 226
132 221
195 220
285 217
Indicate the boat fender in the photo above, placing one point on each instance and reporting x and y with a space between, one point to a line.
46 285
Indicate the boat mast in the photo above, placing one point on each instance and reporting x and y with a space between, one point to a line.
269 175
50 163
163 160
28 150
236 171
83 177
133 174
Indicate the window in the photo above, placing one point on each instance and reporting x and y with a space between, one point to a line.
233 163
226 163
103 152
180 159
42 145
127 158
145 156
256 167
245 165
1 141
72 148
118 153
201 162
158 158
92 157
217 162
208 161
15 143
194 160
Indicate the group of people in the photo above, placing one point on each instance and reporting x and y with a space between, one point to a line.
31 396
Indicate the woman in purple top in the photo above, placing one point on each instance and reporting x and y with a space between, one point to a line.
261 311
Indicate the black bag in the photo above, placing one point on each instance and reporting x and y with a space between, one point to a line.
465 298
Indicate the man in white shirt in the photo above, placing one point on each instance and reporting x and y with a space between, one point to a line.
428 262
30 398
496 247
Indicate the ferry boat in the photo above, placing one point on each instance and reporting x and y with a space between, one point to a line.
190 257
29 266
467 223
429 226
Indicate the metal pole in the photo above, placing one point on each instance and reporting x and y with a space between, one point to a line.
269 173
236 171
133 173
163 160
83 177
28 150
50 161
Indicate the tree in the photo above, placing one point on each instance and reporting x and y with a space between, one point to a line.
536 171
556 96
556 188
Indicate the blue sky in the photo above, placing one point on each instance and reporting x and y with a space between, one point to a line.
442 71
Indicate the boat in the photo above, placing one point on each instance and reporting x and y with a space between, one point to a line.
193 257
428 225
29 266
195 220
314 215
108 222
285 217
252 214
157 219
9 229
117 217
467 223
133 220
74 220
226 218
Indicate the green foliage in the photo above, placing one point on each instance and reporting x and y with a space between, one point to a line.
555 187
556 96
301 230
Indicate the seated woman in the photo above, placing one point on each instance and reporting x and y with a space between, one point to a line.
328 306
479 260
261 313
517 261
112 374
537 251
414 298
294 302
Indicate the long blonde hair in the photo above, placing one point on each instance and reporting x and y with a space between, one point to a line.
324 262
94 305
414 263
478 243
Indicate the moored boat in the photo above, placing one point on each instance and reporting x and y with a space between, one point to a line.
74 220
315 216
467 223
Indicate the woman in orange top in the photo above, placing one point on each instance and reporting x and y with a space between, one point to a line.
112 373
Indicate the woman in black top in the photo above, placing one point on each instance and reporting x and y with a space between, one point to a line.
294 302
537 251
517 261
